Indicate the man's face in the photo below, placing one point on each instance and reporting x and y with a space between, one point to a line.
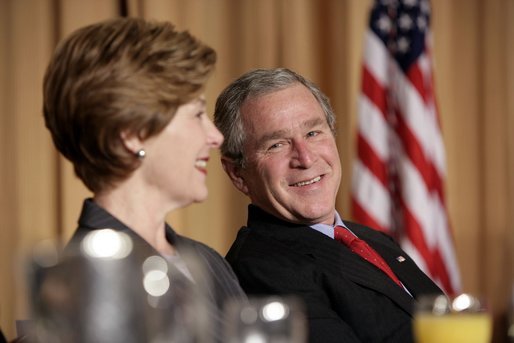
292 164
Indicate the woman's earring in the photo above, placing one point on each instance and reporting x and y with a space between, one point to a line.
141 153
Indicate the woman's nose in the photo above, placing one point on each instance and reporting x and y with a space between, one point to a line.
214 136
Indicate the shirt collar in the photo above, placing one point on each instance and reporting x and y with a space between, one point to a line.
327 229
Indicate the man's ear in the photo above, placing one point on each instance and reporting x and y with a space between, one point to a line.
234 172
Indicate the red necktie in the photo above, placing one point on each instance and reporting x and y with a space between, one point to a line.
362 249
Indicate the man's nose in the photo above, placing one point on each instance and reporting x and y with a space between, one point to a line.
302 155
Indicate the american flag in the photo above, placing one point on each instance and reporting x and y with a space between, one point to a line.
399 173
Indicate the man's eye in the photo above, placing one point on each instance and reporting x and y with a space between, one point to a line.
312 133
275 146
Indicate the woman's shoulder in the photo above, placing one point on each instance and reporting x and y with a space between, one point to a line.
186 246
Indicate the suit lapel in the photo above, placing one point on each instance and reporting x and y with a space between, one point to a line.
402 265
367 275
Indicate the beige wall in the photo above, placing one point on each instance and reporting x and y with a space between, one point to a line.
474 49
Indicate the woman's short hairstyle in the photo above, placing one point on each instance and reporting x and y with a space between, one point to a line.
123 75
227 113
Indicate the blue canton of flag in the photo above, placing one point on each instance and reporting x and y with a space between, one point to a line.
401 25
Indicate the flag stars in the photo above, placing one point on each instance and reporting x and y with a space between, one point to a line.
425 7
422 23
405 22
410 3
384 24
403 44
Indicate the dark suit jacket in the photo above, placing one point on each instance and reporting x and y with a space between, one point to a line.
347 299
223 284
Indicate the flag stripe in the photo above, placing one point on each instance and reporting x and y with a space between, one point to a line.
373 127
374 91
376 62
418 158
372 197
415 77
374 164
360 212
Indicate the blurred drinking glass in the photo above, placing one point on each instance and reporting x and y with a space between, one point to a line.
109 290
265 320
462 318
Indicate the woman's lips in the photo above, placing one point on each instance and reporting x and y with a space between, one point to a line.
201 165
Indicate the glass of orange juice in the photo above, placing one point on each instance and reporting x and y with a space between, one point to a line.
462 318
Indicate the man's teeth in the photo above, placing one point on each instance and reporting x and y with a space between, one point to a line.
305 183
201 163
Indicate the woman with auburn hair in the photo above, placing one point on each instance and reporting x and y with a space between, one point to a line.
123 101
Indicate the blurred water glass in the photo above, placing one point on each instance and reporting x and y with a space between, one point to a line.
266 320
462 318
111 290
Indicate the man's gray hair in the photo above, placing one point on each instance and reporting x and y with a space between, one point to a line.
227 113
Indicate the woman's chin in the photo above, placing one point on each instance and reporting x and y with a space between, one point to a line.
191 198
201 197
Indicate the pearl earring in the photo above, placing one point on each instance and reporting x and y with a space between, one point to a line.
141 153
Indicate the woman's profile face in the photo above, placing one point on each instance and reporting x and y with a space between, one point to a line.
176 158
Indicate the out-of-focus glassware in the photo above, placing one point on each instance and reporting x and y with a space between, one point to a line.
111 290
462 318
266 320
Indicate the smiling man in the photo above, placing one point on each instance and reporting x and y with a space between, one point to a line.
281 152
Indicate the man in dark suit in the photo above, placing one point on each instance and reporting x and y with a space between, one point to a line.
280 151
